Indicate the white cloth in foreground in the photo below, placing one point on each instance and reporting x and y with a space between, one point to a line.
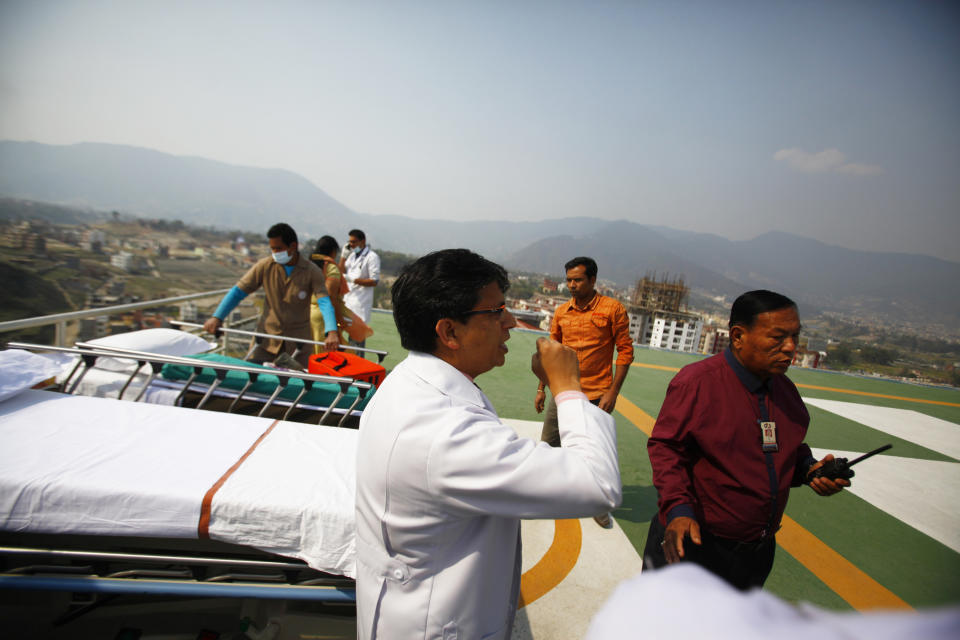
20 370
685 600
95 466
441 486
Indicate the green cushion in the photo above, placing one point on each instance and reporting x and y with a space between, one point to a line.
321 395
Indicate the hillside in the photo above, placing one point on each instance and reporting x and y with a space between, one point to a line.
912 291
149 183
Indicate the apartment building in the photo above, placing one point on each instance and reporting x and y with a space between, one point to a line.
663 329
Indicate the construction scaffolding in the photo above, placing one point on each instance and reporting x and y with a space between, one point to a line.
664 294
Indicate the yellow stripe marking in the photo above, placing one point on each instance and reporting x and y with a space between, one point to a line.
640 418
849 582
843 577
654 366
556 563
833 389
878 395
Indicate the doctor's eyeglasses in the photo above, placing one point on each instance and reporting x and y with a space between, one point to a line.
497 310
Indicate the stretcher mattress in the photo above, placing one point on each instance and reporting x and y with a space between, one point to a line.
82 465
322 394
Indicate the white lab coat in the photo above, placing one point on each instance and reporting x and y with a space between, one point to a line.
359 299
441 487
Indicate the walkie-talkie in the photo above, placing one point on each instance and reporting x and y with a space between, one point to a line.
840 468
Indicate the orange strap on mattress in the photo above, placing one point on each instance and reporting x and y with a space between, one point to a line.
203 528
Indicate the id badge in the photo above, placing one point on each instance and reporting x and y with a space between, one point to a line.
769 431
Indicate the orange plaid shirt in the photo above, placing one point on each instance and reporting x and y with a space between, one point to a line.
592 332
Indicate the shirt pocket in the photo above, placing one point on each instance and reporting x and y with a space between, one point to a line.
601 322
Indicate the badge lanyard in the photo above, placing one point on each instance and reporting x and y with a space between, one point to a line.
768 429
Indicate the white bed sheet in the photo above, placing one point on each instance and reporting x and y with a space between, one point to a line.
75 464
295 494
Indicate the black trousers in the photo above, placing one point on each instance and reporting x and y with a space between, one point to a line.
743 564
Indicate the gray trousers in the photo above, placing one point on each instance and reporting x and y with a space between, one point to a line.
551 427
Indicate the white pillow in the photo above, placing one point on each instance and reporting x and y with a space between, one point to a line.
164 342
20 370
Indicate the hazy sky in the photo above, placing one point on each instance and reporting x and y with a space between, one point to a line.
837 120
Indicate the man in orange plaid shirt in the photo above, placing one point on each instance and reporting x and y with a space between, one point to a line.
592 325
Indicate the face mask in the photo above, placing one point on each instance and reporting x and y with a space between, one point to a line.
281 257
357 251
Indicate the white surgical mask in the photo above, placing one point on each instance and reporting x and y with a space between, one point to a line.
281 257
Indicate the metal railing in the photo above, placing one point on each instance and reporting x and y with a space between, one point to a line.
88 355
228 331
60 320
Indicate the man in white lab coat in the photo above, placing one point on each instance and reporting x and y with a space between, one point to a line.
442 483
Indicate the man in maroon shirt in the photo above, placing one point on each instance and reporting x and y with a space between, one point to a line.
728 445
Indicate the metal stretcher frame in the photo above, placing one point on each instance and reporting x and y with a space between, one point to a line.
90 353
180 575
261 336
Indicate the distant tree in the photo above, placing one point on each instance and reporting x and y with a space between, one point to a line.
878 355
521 289
840 356
391 262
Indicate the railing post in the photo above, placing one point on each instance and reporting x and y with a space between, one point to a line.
60 337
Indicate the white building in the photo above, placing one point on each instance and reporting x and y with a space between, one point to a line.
188 311
93 240
673 330
715 339
122 260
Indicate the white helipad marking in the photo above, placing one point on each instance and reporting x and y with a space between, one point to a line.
606 558
922 493
933 433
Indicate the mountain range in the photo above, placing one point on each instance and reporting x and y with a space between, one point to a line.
896 287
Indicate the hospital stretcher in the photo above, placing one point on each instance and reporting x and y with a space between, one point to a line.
172 378
111 497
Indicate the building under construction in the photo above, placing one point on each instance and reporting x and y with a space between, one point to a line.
665 294
658 315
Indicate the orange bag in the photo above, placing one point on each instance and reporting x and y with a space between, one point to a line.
353 325
346 365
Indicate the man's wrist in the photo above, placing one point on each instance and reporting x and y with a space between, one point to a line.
570 394
681 511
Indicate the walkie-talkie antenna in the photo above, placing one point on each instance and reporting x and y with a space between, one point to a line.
867 455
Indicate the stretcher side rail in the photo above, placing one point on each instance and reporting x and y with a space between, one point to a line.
258 337
197 568
105 572
90 353
183 588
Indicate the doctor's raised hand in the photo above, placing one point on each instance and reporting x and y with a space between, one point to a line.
556 366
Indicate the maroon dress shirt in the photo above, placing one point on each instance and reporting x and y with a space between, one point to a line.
706 448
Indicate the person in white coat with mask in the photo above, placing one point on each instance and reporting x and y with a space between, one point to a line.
442 483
